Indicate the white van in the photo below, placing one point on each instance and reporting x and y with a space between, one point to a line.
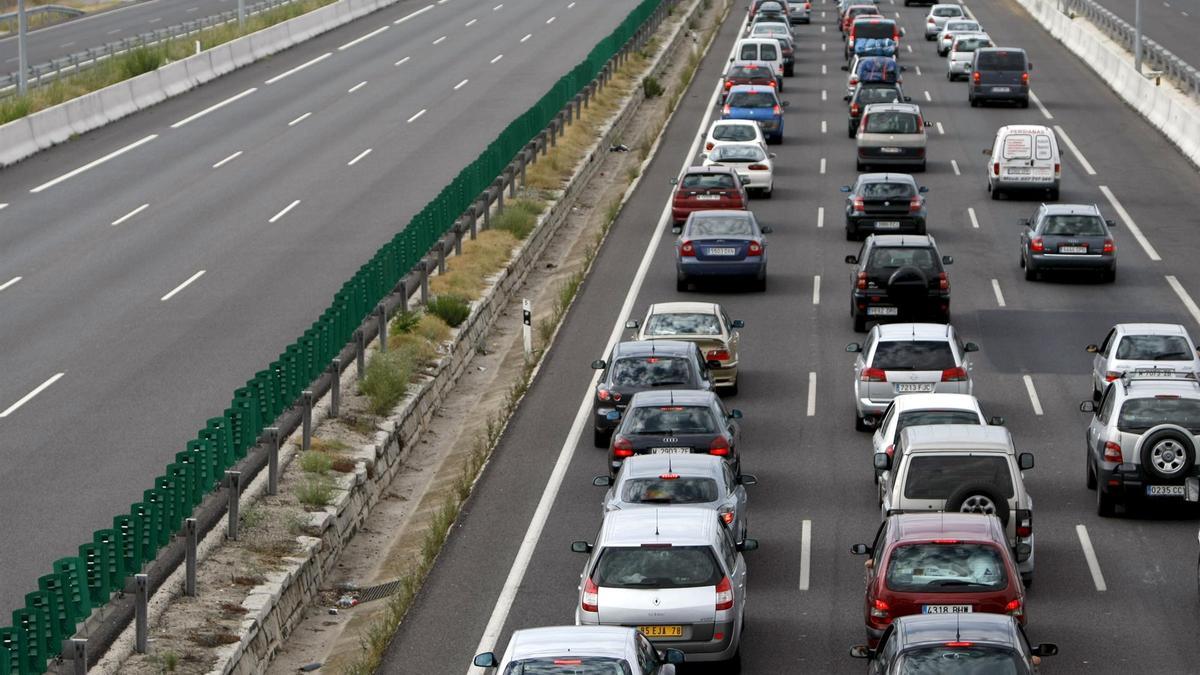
1024 157
761 52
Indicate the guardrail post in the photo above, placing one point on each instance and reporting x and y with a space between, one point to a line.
306 403
78 656
487 209
554 131
458 233
360 354
233 481
474 216
189 533
424 284
272 460
335 386
141 620
524 163
441 252
499 184
512 175
381 316
403 288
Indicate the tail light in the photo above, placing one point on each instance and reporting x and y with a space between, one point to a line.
943 282
719 447
1025 78
1014 607
687 249
622 447
859 207
958 374
724 594
755 248
931 20
606 395
1057 169
591 596
1111 376
853 80
727 515
914 205
959 644
725 110
872 375
879 609
1037 245
808 5
1024 523
708 146
862 280
777 110
728 84
758 167
995 168
975 77
854 110
717 355
891 450
772 83
1112 452
1109 247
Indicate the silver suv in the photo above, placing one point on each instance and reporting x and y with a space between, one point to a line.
1141 441
1141 347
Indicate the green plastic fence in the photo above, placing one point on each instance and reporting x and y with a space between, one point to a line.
67 595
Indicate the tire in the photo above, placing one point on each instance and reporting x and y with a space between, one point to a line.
788 71
760 285
850 130
995 194
600 438
851 235
860 424
766 193
734 664
859 166
921 168
1027 580
921 229
1091 473
949 76
978 498
732 390
1110 276
681 284
1030 273
1024 103
1167 453
972 101
1106 506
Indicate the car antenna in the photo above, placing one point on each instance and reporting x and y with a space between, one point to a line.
656 522
958 629
669 465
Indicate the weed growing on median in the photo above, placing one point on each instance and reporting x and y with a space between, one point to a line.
316 462
520 216
315 492
386 380
453 309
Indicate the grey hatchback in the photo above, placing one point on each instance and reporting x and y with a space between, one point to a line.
1068 237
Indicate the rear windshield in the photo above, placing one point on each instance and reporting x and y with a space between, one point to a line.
891 258
887 190
737 153
874 29
569 665
751 99
721 181
650 371
970 660
946 568
938 476
892 123
768 29
683 324
749 72
719 226
1140 414
681 490
860 11
913 355
952 26
1018 146
971 44
734 132
918 418
947 11
1001 61
653 567
669 420
1074 226
867 95
1154 348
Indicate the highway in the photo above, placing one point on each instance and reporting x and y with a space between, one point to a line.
1173 23
1130 606
158 262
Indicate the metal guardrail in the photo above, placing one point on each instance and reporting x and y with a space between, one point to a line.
49 71
1156 55
43 9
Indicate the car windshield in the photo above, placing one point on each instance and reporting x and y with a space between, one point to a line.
868 95
967 659
655 566
918 418
947 11
1140 414
889 122
1073 226
874 29
677 490
1154 348
971 44
887 191
669 420
946 568
751 99
734 132
737 153
939 476
720 181
650 371
1001 61
682 323
569 665
749 72
720 226
861 11
891 258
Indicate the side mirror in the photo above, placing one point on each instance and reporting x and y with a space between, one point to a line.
766 229
987 151
750 479
674 181
928 124
947 260
1191 489
598 364
903 32
860 652
1110 223
851 260
771 155
713 363
903 68
602 481
846 97
846 68
735 414
1087 407
860 549
996 421
673 656
1045 649
612 415
845 188
633 324
748 545
922 189
581 547
488 660
786 104
970 347
881 461
1092 349
854 348
1025 461
737 323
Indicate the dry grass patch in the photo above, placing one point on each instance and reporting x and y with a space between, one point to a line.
466 275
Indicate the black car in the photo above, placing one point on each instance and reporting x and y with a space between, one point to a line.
867 93
954 643
788 49
899 277
1068 237
640 365
999 74
884 203
676 421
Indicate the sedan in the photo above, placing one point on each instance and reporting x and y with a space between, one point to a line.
676 421
974 643
721 244
752 163
953 28
747 73
1068 237
704 323
938 16
884 203
799 12
702 188
759 104
605 649
733 131
962 53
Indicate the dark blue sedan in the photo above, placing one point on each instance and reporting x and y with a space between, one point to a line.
758 103
721 244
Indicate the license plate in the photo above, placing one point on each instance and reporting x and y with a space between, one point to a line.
1019 172
914 387
1001 90
708 197
887 224
1164 490
883 311
1072 249
721 251
946 609
670 451
661 631
890 151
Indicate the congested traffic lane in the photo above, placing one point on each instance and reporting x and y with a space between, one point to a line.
815 467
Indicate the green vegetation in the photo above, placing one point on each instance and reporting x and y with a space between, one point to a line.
315 492
453 309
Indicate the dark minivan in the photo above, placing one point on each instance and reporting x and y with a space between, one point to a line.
1000 74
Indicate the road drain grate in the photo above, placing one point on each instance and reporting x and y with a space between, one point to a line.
377 592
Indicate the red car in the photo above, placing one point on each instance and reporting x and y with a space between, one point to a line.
704 188
748 73
855 11
939 563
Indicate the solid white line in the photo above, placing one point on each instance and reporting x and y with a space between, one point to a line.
299 119
359 156
402 19
460 85
974 220
3 205
27 397
1038 102
822 29
470 23
1087 166
131 214
402 61
820 216
283 213
1133 228
193 9
10 282
527 36
551 20
573 4
182 286
414 117
439 40
823 127
927 96
806 533
227 159
298 68
1171 281
93 164
1033 397
498 57
356 87
155 19
67 44
940 129
954 165
918 70
822 166
215 106
1089 554
113 31
816 289
822 46
996 290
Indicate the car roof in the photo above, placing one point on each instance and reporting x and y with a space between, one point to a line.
718 168
736 122
922 629
756 88
911 108
683 308
1071 209
757 41
944 525
896 240
935 401
941 437
691 397
873 18
679 525
1000 49
725 213
913 331
886 178
1151 329
654 347
1149 387
641 466
971 35
575 640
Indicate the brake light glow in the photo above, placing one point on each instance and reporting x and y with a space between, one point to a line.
854 110
1109 247
943 281
725 110
1024 523
622 447
755 248
719 447
1112 452
975 77
728 84
1025 78
914 205
1037 245
1057 168
946 541
708 145
958 374
858 206
758 167
606 395
931 20
591 596
724 594
995 168
808 5
687 250
717 355
1014 607
1111 376
727 516
777 110
862 280
879 609
958 644
872 375
668 476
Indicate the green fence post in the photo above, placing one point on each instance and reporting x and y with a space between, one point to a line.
129 529
106 546
30 626
169 492
50 635
8 654
62 620
13 641
74 576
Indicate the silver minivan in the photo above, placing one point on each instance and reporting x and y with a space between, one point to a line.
673 573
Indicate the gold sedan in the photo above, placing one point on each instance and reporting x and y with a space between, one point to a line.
704 323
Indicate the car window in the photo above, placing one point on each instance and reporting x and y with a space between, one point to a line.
878 30
1018 146
749 72
1106 406
938 476
913 355
883 258
890 122
718 226
681 323
1073 225
1154 348
676 490
751 99
569 665
1042 148
655 567
917 418
971 44
769 52
737 153
768 29
1104 346
1140 414
946 568
749 52
728 550
947 11
734 132
1001 60
888 414
721 181
650 371
965 657
647 656
961 26
868 95
669 420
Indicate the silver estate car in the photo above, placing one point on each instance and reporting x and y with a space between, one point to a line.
907 358
938 16
603 649
673 573
961 53
890 134
954 27
912 410
1141 347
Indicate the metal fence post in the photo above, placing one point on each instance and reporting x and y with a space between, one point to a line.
79 656
233 481
189 533
306 401
141 620
272 460
441 252
424 284
474 216
360 353
381 313
500 191
335 386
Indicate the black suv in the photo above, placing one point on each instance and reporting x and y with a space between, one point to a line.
638 366
899 277
884 202
867 93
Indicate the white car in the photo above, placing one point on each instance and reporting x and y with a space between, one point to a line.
751 162
772 29
952 28
962 53
913 410
1142 347
721 132
938 16
607 648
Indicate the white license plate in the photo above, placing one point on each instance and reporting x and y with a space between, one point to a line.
887 224
911 387
721 251
1072 249
1164 490
1001 90
890 151
1019 171
670 451
946 609
883 311
708 197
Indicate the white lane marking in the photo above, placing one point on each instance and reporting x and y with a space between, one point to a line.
10 282
3 205
442 2
897 15
215 106
996 290
805 538
1033 396
909 48
974 220
570 6
283 213
527 36
363 38
299 119
182 286
359 156
402 61
414 117
460 85
824 128
822 46
1171 281
113 31
498 57
298 68
823 69
551 20
817 289
192 9
822 29
470 23
1184 13
941 130
356 87
155 19
227 159
820 216
541 514
1038 102
954 165
131 214
824 94
927 96
811 406
93 164
440 40
1089 554
28 397
1087 166
822 166
918 70
67 44
1132 226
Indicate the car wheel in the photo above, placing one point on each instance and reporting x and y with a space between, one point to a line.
860 423
1030 273
1167 453
859 166
681 284
1027 579
1105 505
949 76
921 229
995 193
1091 474
732 390
979 498
1110 276
921 168
734 664
851 234
850 131
1096 393
1024 103
789 71
760 284
599 438
766 193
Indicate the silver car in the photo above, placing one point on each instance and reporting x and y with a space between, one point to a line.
675 574
800 11
938 16
1134 347
652 481
955 27
892 134
962 53
605 649
904 358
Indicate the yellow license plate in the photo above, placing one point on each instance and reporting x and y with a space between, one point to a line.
661 631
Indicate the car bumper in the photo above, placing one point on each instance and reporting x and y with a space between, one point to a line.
871 407
799 17
752 266
1072 261
724 377
1127 482
1000 92
1025 183
906 155
696 649
959 67
757 180
602 423
932 307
